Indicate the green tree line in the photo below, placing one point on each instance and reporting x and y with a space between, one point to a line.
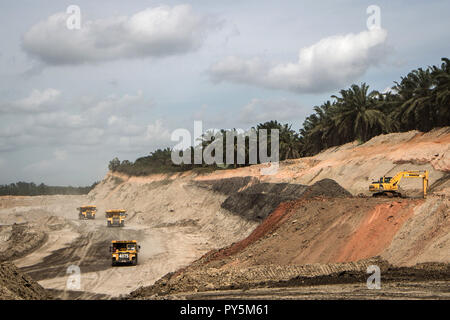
419 101
32 189
160 161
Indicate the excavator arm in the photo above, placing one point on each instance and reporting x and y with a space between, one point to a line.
413 174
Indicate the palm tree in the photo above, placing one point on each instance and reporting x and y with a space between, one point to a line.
317 132
289 143
441 92
357 114
288 138
416 108
388 102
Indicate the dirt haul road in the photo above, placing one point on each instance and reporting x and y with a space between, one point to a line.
239 229
43 237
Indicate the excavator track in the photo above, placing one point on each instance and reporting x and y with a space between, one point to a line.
388 194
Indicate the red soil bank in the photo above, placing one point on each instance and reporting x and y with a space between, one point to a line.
376 231
275 219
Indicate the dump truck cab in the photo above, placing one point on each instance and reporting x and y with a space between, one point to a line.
87 212
116 218
124 252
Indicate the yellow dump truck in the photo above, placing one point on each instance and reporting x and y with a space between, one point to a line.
87 212
116 218
124 252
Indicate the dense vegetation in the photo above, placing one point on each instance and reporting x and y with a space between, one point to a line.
31 189
420 101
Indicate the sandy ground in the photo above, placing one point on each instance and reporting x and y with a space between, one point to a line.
182 220
168 241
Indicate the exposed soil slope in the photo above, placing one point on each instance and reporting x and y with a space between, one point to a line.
313 239
14 285
17 240
353 166
239 227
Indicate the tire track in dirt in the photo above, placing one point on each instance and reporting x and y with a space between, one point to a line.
89 250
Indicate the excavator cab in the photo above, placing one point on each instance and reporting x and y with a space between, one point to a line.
383 180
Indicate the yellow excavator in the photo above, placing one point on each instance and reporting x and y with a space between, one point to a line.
389 186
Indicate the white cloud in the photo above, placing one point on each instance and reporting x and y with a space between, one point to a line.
60 155
156 131
124 126
37 101
331 63
61 119
113 122
153 32
154 135
11 130
260 110
114 103
47 165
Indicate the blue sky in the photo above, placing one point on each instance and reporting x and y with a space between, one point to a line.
71 100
